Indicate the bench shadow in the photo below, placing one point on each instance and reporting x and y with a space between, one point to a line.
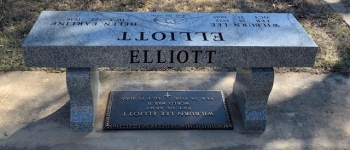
316 111
57 122
309 114
303 113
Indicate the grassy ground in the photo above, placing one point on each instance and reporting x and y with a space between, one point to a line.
324 25
346 3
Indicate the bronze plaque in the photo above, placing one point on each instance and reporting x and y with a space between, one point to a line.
167 110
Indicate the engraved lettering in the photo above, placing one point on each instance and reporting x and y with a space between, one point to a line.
166 113
275 25
158 36
153 98
181 98
94 23
179 103
210 55
171 108
207 98
159 103
222 20
127 24
197 113
196 53
259 24
184 108
137 114
172 34
74 23
142 37
267 25
179 57
261 17
159 57
219 16
219 35
127 98
154 108
132 60
124 37
219 24
171 56
145 58
154 36
73 19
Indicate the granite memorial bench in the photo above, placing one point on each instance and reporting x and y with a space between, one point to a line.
253 43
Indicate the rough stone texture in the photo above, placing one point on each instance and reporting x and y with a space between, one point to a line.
88 39
83 87
251 91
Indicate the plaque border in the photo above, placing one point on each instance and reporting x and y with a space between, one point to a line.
107 126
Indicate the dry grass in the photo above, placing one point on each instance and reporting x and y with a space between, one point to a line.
325 26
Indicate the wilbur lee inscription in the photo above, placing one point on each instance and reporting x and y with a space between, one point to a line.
167 110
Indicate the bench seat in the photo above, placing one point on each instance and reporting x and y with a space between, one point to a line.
253 43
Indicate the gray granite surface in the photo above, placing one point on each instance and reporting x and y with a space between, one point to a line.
251 91
159 39
81 93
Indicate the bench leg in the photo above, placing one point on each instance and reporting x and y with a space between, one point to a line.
251 91
83 87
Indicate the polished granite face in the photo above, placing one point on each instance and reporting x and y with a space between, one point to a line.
167 29
130 110
160 39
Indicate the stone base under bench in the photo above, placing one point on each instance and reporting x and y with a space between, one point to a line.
83 87
251 90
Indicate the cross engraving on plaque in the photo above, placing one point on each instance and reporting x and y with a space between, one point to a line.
167 95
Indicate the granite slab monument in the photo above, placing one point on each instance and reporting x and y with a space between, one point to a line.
254 43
